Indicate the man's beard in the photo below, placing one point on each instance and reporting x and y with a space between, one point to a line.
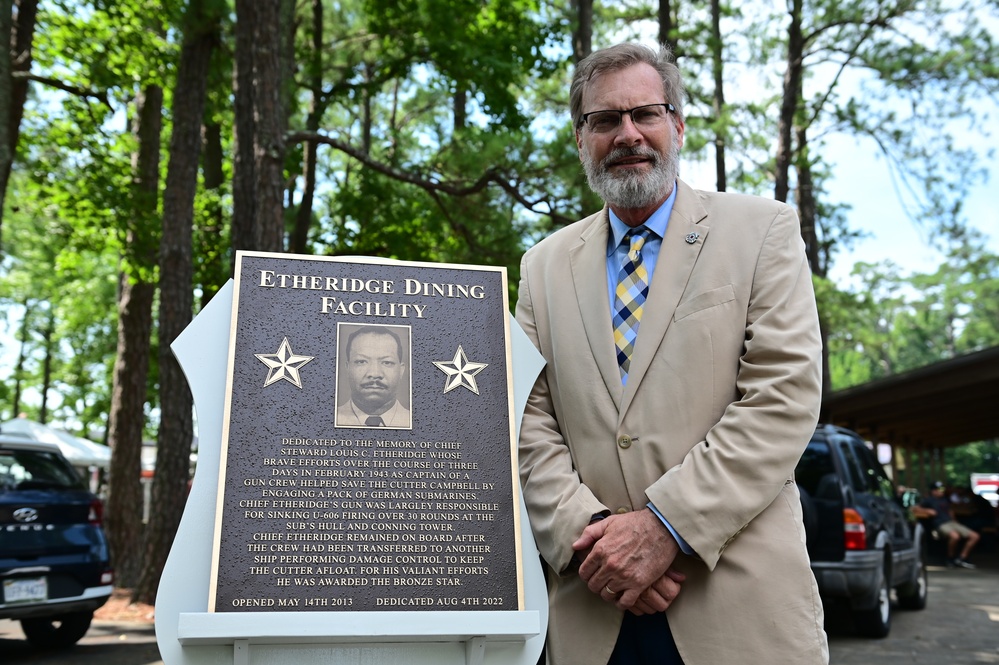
633 189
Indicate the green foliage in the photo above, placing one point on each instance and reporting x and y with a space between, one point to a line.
924 64
212 254
895 323
80 147
76 220
433 93
487 48
978 457
72 287
105 45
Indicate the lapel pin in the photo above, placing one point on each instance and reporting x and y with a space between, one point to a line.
692 238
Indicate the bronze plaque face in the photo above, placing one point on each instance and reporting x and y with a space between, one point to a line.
368 454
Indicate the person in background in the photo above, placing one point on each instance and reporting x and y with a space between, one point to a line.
938 509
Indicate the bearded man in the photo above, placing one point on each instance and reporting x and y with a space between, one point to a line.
682 384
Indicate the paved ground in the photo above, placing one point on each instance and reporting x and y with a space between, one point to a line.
960 626
107 643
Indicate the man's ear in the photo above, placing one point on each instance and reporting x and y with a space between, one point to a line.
579 146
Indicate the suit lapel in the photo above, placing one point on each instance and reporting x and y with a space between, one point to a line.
676 261
588 264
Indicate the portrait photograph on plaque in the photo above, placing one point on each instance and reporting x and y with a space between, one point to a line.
368 457
373 382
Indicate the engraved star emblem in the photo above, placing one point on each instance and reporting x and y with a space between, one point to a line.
460 371
283 365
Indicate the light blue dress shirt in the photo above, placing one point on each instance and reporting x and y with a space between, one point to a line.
617 254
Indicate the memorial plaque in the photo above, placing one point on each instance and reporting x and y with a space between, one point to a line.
368 457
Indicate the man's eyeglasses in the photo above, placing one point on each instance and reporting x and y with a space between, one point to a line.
650 115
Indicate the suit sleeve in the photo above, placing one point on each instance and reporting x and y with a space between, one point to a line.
750 453
558 504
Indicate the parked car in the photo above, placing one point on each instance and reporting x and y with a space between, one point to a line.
54 564
862 542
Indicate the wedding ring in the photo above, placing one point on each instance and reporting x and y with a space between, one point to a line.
608 590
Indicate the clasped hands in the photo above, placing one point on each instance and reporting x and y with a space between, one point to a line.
628 561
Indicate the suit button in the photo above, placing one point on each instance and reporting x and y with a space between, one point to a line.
624 441
623 510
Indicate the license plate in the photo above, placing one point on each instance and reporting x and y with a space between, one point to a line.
28 590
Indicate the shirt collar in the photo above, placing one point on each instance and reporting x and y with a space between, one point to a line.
656 222
385 415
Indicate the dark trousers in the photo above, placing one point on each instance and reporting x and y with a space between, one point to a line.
645 640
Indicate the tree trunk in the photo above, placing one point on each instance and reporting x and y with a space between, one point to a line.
582 46
303 217
127 417
244 230
717 70
805 198
582 35
13 92
22 355
807 215
789 102
459 104
787 132
666 27
214 269
258 181
126 422
366 112
48 346
6 99
170 482
270 118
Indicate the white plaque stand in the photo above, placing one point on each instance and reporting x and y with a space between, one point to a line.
188 634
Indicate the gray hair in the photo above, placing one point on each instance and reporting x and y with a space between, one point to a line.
621 56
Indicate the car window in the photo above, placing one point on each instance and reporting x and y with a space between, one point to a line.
878 480
854 469
35 469
815 464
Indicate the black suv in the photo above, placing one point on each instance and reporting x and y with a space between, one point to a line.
54 564
861 540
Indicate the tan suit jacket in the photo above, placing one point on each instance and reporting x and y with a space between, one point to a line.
722 397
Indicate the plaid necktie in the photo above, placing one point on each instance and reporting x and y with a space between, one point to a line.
629 299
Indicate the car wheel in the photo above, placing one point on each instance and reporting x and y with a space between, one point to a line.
58 632
876 622
912 595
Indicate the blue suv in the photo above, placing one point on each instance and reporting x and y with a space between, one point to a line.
54 564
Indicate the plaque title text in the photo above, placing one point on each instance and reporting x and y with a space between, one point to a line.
356 305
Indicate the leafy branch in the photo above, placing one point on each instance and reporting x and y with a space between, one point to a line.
491 175
99 95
